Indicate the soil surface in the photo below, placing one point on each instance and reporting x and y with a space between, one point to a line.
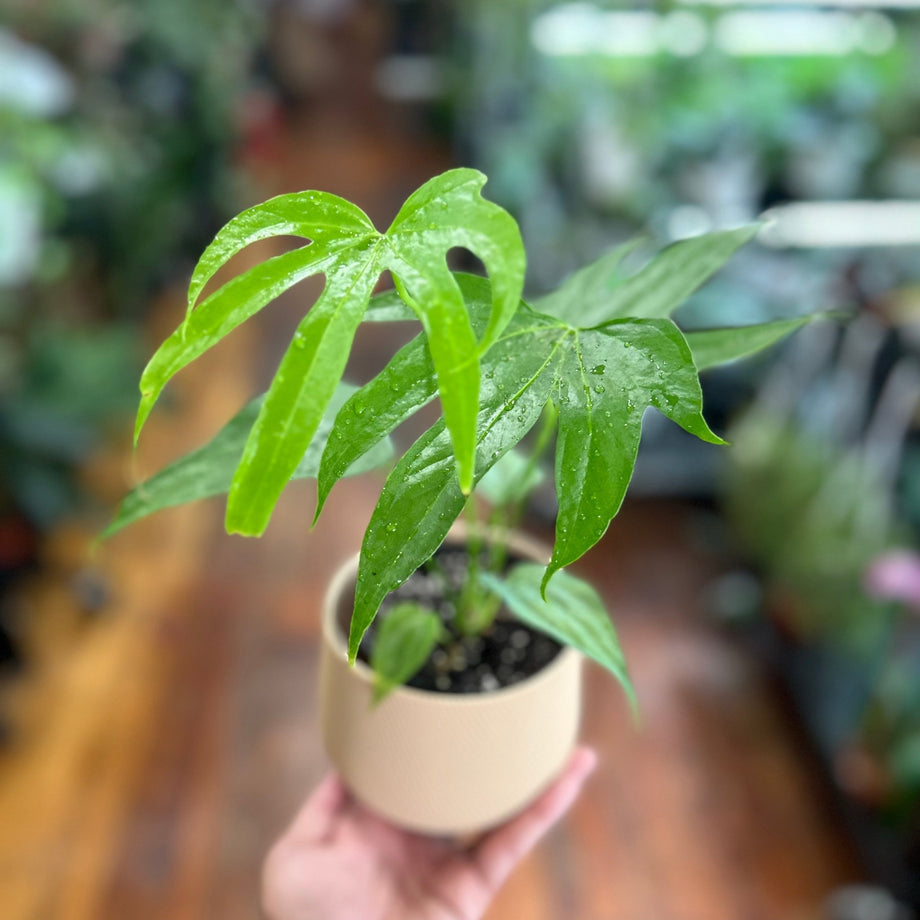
505 654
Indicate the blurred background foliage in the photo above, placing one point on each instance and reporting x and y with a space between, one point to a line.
589 147
120 130
117 124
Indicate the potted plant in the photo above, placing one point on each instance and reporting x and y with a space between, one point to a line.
583 362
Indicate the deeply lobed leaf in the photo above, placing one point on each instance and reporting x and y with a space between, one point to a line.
441 215
421 498
611 375
601 378
447 211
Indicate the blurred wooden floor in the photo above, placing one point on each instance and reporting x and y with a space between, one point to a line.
164 744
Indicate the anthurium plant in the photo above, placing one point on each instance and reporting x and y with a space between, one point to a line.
582 364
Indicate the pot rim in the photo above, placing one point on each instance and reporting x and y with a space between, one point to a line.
332 634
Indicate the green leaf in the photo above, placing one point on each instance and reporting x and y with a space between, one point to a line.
405 638
208 471
712 347
449 211
421 498
297 399
318 216
654 292
220 314
446 212
601 379
453 351
610 376
572 613
511 480
583 297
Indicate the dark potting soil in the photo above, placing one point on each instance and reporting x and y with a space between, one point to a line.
505 654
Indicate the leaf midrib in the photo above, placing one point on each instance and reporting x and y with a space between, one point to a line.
508 403
589 417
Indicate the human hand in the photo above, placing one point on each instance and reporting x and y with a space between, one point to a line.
337 861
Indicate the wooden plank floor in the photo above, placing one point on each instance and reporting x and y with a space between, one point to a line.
184 734
163 745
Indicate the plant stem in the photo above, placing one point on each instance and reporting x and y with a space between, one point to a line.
473 614
477 607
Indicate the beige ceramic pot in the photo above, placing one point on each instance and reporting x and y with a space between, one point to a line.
444 763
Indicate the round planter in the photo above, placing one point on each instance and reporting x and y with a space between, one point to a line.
444 763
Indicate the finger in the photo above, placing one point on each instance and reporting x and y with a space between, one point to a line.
505 847
318 814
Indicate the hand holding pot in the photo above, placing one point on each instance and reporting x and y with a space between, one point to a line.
338 861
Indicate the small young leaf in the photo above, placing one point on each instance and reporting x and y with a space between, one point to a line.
208 471
405 638
712 347
572 613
